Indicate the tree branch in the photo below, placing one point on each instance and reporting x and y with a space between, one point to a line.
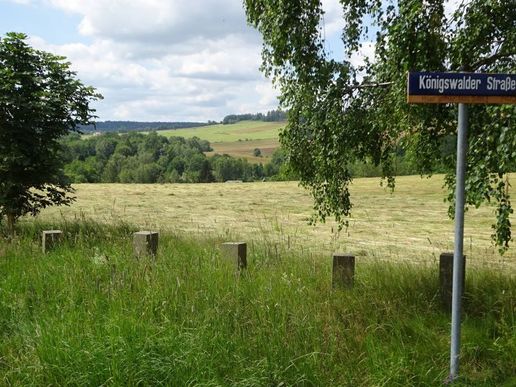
490 60
373 85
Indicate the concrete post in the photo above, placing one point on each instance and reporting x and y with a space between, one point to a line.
236 251
446 278
343 270
145 243
50 239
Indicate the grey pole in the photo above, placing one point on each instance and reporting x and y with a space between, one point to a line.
458 263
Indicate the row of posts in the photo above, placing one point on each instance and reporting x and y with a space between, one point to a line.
145 243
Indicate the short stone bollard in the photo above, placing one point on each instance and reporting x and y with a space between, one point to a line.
343 270
145 243
50 239
236 251
446 278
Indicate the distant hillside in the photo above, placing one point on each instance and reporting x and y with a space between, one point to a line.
241 131
127 126
238 140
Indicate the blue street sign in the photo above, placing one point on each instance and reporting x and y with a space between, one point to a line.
432 87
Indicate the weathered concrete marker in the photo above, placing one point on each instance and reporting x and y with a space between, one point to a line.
50 239
446 278
343 270
145 243
236 251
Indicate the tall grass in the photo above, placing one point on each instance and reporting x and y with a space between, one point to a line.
89 313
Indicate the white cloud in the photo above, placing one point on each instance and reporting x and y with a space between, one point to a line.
167 60
365 51
333 17
267 92
450 6
165 22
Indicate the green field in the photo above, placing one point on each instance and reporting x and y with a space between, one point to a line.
244 130
410 224
237 140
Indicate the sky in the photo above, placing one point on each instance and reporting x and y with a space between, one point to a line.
159 60
164 60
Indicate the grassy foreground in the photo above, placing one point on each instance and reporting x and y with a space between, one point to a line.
88 313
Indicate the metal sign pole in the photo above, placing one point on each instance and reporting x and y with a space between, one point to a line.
458 263
462 88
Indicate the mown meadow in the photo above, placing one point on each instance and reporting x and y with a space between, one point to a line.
409 224
90 313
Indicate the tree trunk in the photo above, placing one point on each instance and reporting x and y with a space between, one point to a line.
11 219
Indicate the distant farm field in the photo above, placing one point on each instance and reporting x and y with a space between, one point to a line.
245 149
410 224
237 140
244 130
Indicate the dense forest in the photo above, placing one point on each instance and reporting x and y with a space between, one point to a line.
270 116
152 158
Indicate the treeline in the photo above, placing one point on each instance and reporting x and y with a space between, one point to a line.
152 158
271 116
127 126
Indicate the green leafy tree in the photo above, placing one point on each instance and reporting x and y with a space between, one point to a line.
40 102
86 171
201 145
112 170
153 144
340 114
105 146
226 168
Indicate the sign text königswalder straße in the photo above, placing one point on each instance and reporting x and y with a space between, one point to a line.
430 87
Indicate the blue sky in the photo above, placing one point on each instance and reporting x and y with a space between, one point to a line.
159 60
50 23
